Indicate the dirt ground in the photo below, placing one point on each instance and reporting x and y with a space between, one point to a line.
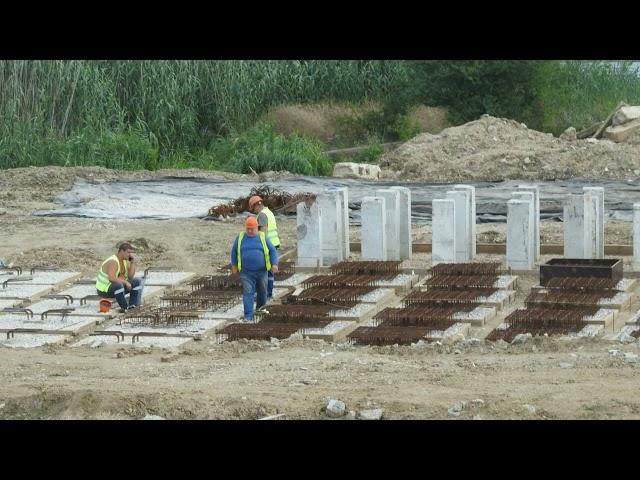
547 378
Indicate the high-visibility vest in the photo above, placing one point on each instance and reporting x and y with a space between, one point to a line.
263 240
272 227
103 283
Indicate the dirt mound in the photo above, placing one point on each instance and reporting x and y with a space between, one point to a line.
497 149
62 258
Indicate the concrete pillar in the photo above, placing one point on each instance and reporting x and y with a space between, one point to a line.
344 195
598 249
444 231
472 216
463 233
536 216
309 231
519 235
392 205
332 224
405 222
374 228
578 226
636 237
528 197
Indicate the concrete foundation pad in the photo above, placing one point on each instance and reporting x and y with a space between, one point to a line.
455 329
70 325
293 281
477 317
90 308
28 340
81 291
624 285
336 330
166 279
603 317
15 290
53 278
401 283
160 342
194 329
355 314
591 331
9 303
621 301
379 296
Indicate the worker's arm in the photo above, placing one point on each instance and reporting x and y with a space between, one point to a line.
234 256
132 267
263 223
273 256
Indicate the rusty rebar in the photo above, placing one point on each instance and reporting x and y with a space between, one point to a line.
581 283
257 331
475 268
330 295
435 318
346 279
436 297
462 281
563 299
388 335
216 282
367 267
159 317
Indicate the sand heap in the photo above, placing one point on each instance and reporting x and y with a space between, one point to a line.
497 149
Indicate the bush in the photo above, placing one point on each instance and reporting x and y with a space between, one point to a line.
260 149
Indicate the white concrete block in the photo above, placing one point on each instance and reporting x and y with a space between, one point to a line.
519 226
536 216
374 226
528 196
463 233
472 216
309 232
599 220
636 236
444 231
392 204
405 222
343 192
331 224
578 226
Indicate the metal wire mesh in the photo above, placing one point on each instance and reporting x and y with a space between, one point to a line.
159 317
435 297
388 335
367 267
341 280
475 268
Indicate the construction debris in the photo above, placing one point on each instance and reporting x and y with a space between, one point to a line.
276 200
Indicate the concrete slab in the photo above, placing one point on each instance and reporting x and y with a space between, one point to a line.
336 330
477 317
591 331
293 281
160 342
89 309
355 314
196 328
401 283
379 296
68 325
9 303
28 340
25 291
309 235
54 278
81 291
167 279
374 229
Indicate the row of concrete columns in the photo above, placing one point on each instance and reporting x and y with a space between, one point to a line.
323 227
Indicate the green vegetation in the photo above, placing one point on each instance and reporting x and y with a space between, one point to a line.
205 114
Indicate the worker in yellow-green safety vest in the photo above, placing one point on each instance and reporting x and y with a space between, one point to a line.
267 224
252 256
116 278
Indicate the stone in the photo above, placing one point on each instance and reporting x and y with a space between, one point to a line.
636 237
97 344
477 403
352 415
374 226
172 357
631 357
452 339
356 170
623 133
336 408
153 417
624 337
477 417
625 115
373 414
444 231
521 338
530 408
569 135
566 365
457 408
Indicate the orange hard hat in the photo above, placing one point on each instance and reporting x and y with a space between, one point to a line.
253 200
251 222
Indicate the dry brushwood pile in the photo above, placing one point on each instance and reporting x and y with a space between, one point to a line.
276 200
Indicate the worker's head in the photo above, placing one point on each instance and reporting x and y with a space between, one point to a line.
255 204
125 250
251 226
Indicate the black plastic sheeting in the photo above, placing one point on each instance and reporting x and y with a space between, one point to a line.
179 197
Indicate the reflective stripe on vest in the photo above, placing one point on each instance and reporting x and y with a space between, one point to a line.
272 227
103 283
263 240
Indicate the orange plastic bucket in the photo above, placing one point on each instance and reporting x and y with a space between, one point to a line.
105 306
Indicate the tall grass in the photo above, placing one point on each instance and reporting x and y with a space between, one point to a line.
580 93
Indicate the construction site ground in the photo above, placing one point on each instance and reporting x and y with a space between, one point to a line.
545 378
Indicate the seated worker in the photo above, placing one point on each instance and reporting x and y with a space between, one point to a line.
116 278
253 255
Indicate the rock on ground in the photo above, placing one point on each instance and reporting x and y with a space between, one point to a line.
336 408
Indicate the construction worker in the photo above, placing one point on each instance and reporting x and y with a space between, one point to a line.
252 256
116 278
267 224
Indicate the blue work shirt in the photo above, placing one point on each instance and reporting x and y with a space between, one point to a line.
252 254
